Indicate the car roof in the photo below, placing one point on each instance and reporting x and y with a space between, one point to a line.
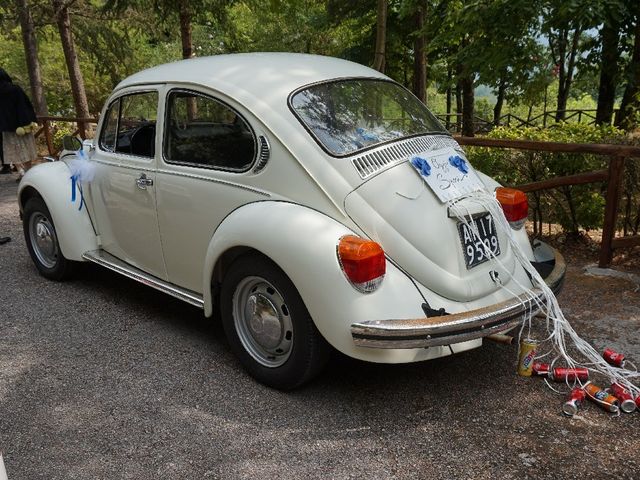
253 74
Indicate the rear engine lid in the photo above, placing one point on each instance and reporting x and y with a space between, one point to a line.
422 235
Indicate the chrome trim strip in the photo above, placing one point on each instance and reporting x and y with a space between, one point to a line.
214 180
107 260
454 328
148 168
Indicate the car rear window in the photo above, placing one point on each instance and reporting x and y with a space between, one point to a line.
349 115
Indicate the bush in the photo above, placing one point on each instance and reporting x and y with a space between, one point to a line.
573 207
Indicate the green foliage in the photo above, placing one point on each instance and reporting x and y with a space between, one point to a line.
574 207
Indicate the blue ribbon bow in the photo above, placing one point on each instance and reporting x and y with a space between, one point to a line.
74 182
422 166
458 162
367 136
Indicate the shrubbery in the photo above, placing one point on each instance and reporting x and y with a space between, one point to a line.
573 207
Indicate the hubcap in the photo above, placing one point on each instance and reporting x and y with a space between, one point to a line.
43 240
263 322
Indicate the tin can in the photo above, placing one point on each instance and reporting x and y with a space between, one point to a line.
526 354
605 400
574 401
613 358
540 369
569 374
627 404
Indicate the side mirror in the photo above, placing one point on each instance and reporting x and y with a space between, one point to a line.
71 144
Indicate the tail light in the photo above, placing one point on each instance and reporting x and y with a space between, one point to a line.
514 205
362 262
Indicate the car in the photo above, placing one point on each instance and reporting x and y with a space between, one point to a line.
288 194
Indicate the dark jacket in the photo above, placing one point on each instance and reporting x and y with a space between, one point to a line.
15 107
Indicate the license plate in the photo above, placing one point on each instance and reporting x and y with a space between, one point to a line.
473 247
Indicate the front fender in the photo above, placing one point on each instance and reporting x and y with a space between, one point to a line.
52 182
303 243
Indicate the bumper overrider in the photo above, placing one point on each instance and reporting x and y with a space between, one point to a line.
457 327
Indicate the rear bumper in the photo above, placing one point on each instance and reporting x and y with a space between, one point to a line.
458 327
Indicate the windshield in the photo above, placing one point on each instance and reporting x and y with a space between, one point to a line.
349 115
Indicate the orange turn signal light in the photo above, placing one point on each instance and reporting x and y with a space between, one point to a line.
362 262
515 205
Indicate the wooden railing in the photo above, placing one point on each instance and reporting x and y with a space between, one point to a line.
46 129
453 121
617 154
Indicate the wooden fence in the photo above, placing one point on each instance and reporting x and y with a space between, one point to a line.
453 121
617 154
47 131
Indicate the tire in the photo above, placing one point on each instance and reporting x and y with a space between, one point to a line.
42 241
281 347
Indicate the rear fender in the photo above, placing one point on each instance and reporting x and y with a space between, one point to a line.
302 242
52 182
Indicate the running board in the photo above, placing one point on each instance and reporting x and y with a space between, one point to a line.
113 263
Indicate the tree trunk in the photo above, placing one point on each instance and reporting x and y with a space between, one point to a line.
449 78
458 98
608 72
631 98
31 55
381 37
467 105
73 66
419 59
565 62
497 109
185 29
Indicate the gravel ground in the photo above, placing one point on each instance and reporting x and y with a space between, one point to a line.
101 377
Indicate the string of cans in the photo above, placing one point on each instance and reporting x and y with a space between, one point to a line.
614 399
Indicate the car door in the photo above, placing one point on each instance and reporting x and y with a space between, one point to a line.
209 150
123 191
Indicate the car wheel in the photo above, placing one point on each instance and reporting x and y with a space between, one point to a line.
42 241
268 325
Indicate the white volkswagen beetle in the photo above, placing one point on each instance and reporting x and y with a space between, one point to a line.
288 192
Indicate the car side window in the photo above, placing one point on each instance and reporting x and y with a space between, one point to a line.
130 125
204 132
110 128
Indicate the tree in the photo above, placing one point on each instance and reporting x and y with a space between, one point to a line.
31 57
381 36
564 24
61 14
610 38
419 55
630 105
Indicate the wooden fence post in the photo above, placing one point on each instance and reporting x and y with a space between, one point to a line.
47 136
616 171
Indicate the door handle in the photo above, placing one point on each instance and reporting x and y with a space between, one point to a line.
143 182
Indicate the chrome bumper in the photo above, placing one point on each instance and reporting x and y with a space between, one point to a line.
458 327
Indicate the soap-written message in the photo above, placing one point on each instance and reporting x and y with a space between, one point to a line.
447 173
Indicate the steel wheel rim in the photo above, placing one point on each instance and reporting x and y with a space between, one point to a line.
263 321
43 240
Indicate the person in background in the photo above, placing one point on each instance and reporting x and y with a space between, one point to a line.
4 167
17 122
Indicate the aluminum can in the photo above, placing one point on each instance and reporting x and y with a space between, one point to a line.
613 358
526 354
540 369
627 404
574 401
605 400
569 374
638 402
